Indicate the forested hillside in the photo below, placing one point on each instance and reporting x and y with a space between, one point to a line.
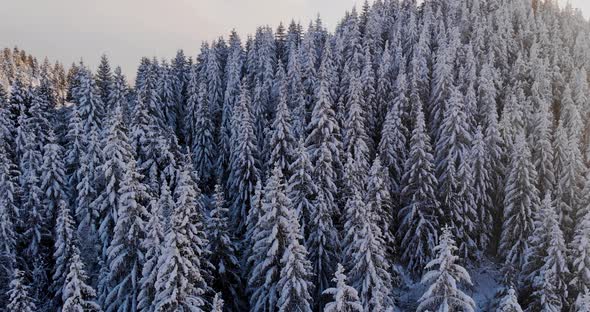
374 167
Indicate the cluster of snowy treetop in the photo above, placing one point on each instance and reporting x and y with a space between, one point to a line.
414 140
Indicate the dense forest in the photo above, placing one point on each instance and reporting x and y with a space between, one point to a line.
377 167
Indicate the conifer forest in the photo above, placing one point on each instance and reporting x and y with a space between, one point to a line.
422 156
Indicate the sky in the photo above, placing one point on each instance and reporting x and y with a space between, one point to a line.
126 30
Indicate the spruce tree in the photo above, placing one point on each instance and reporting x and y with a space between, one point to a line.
393 151
118 156
218 303
104 78
454 172
89 101
322 242
77 295
203 140
270 239
153 250
53 180
366 255
509 303
20 299
118 93
62 252
33 211
443 276
418 217
166 84
295 94
125 255
323 146
379 201
222 248
546 264
482 189
580 251
74 152
295 276
345 297
282 141
179 283
542 149
230 101
301 188
356 139
570 183
9 219
521 201
244 171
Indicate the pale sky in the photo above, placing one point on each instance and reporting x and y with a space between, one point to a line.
126 30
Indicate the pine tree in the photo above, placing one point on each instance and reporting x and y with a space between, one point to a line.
418 217
20 300
509 303
226 277
77 295
346 298
521 201
125 255
443 294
